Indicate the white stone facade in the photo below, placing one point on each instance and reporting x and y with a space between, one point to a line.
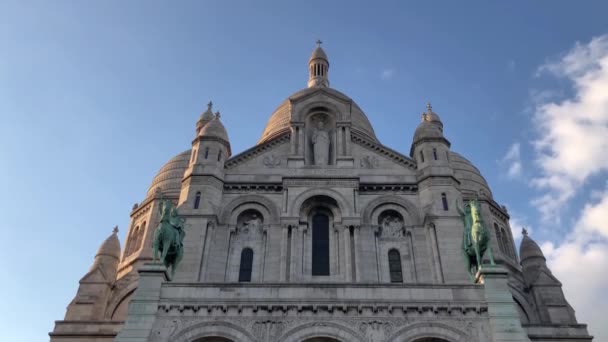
319 159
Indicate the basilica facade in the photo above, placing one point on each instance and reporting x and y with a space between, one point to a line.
319 232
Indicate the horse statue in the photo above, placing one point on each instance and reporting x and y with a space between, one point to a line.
169 236
476 239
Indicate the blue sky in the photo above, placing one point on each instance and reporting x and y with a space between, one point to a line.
95 97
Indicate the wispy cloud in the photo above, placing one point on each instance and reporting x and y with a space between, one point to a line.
573 132
387 74
512 161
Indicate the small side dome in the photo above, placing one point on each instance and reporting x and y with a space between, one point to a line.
208 114
111 246
529 249
318 53
215 128
205 117
430 127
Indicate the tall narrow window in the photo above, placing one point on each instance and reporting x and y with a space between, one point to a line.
206 152
197 200
506 243
320 245
434 153
421 156
246 265
219 156
444 201
499 238
193 156
394 266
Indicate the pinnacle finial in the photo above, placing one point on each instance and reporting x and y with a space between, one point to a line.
209 105
217 114
524 231
115 230
319 42
429 108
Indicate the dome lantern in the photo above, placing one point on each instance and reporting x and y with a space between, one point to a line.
318 68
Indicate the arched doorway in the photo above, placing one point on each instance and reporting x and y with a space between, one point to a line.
214 339
321 339
430 339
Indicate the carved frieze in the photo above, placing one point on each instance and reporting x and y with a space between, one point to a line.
369 162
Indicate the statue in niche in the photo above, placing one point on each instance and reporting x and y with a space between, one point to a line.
252 226
392 226
320 143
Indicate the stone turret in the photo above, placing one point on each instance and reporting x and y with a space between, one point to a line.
210 150
429 146
205 118
318 68
544 288
95 287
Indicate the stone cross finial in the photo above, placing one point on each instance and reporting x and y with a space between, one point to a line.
429 108
115 230
217 114
209 105
319 42
524 231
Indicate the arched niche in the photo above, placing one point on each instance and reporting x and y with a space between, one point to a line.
320 204
429 332
231 211
407 210
320 137
321 332
249 217
340 208
213 331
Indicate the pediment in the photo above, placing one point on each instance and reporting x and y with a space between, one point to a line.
544 277
96 275
376 150
269 155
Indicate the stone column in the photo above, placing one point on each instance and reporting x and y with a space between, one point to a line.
347 140
504 318
283 261
301 141
340 143
293 141
347 255
144 305
358 253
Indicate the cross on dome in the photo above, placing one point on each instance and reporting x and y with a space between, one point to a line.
319 42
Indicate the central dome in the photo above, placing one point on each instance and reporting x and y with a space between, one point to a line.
280 119
318 79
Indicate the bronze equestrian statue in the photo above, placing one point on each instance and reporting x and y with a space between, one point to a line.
476 239
169 236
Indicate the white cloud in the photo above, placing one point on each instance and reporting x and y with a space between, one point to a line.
517 224
571 148
387 74
581 261
512 161
573 133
